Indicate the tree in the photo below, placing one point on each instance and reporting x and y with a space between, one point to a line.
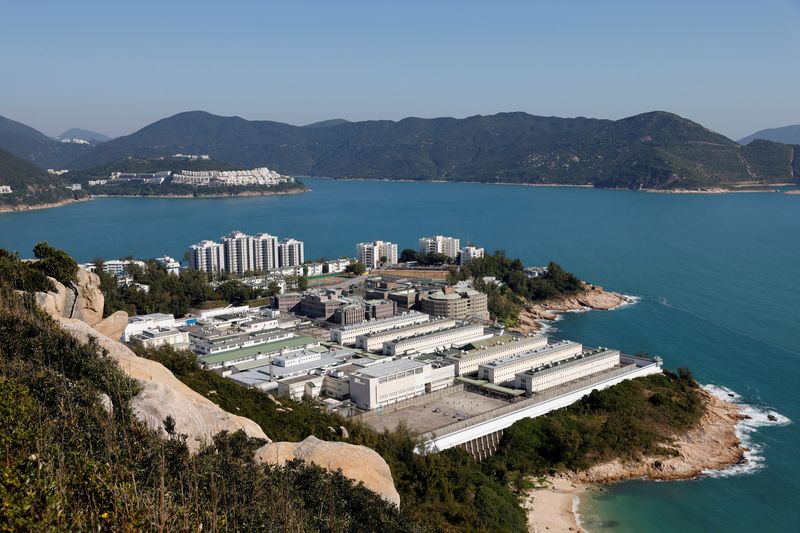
356 268
407 255
55 263
272 289
235 292
383 259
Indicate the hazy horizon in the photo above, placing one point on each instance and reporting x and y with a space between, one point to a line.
116 68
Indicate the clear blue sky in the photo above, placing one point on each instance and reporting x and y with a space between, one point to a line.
115 66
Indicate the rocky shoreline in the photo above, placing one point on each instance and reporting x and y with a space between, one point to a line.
592 298
713 444
25 207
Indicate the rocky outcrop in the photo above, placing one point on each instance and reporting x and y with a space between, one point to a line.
113 325
592 297
711 445
163 394
89 300
79 310
358 463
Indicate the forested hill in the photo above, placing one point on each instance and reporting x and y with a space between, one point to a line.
651 150
29 184
36 147
656 149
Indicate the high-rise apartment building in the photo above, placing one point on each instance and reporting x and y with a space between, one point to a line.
469 252
265 248
208 256
370 253
290 253
239 252
440 244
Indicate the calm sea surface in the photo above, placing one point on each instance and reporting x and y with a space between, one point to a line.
716 277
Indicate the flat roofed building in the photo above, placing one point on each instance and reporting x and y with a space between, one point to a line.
468 362
153 338
452 303
386 383
265 248
139 323
370 253
291 253
299 387
374 309
347 335
561 372
437 340
253 353
468 253
210 340
440 244
239 252
504 370
207 256
375 341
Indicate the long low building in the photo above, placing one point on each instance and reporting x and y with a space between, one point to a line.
254 353
437 340
210 340
504 370
556 374
468 362
387 383
374 341
347 335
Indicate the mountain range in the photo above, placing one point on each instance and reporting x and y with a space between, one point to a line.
786 135
651 150
86 135
29 184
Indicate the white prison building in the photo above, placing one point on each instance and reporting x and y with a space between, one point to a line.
564 371
387 383
347 335
505 369
468 362
374 341
430 342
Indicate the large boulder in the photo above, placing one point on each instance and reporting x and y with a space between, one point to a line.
165 395
113 325
358 463
89 300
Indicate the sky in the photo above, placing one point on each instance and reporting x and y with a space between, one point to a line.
116 66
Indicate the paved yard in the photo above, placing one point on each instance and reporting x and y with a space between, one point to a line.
425 417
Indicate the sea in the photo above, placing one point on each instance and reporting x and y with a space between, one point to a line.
716 281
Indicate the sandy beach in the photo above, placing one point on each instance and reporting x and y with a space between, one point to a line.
712 445
551 508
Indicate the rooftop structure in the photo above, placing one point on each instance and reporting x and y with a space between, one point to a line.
440 244
375 340
252 353
564 371
437 340
469 361
452 303
504 370
386 383
347 335
370 253
137 324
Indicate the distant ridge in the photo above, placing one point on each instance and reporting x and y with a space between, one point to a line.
86 135
36 147
657 150
786 135
30 185
327 123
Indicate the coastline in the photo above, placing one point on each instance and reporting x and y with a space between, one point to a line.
593 297
713 445
49 205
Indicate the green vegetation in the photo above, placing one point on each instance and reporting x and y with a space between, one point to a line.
441 491
177 189
356 268
31 276
426 259
29 185
628 420
518 288
652 150
68 465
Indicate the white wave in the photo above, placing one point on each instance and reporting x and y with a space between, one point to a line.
632 300
755 417
576 502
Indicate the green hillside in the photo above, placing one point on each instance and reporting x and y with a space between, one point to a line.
656 150
30 184
36 147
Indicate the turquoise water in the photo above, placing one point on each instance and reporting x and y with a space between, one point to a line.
716 277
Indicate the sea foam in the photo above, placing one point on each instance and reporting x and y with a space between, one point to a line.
756 417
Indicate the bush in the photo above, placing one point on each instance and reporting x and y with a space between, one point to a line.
55 263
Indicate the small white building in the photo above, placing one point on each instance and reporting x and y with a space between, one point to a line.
137 324
153 338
